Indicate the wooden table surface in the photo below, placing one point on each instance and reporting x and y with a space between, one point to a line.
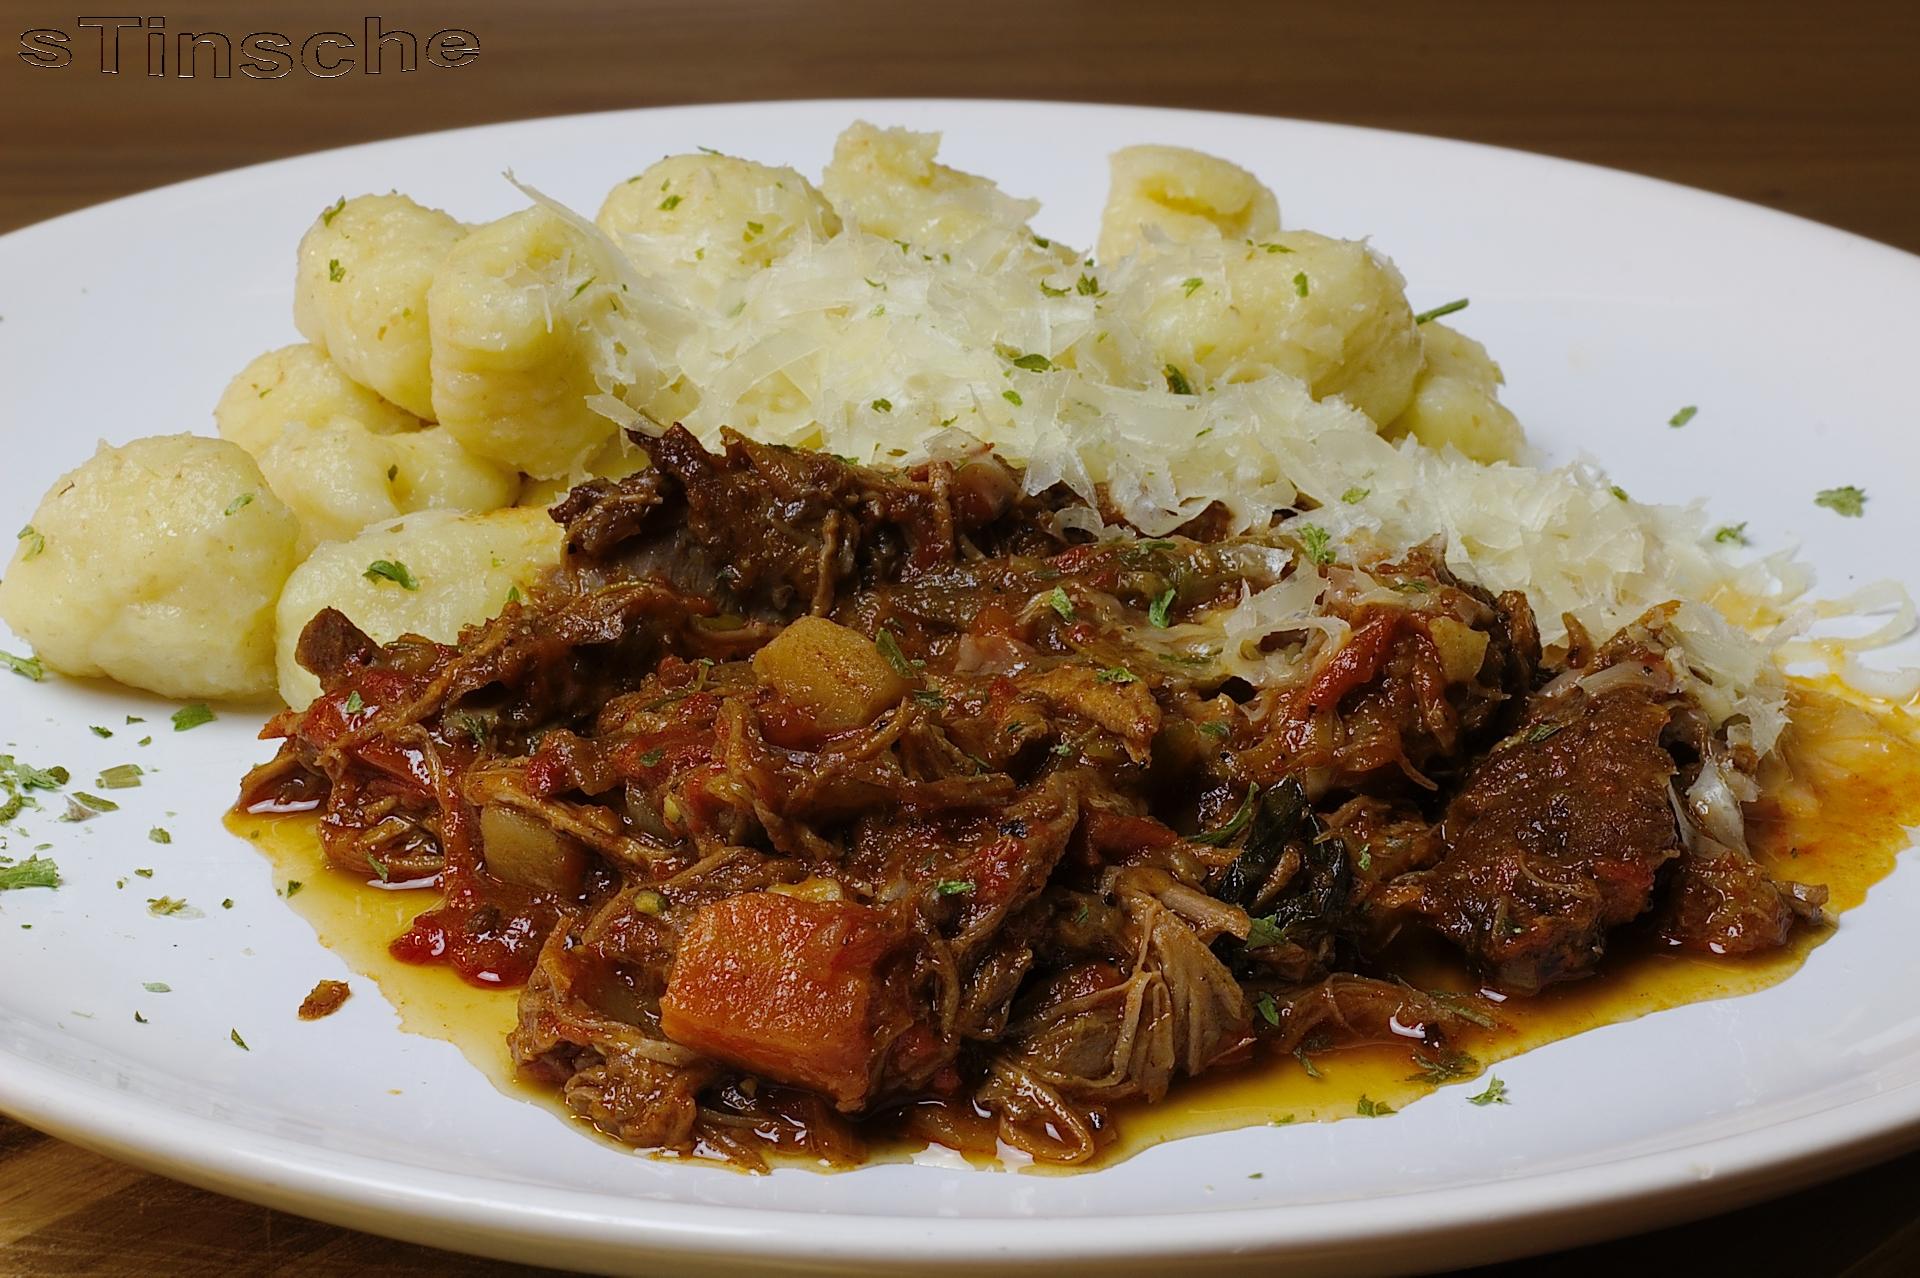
1812 110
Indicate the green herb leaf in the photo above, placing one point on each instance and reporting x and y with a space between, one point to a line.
355 702
584 285
953 887
1619 492
652 758
1367 1107
156 987
1034 363
928 697
753 229
1265 1006
100 732
1682 417
1162 605
1306 1062
335 271
1444 1068
1087 286
1731 534
1048 290
1177 381
1231 830
93 802
35 871
1060 603
1264 931
1849 501
121 776
1300 283
25 667
238 1042
35 543
1191 285
238 504
1540 732
165 905
191 716
1012 397
890 649
378 866
1355 495
332 211
294 886
391 570
1495 1094
1317 542
883 406
1116 674
1427 317
1216 728
158 834
671 203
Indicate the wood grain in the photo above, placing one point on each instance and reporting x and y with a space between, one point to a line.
1808 109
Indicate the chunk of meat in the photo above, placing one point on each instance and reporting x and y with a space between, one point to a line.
1555 840
324 1000
790 989
1721 901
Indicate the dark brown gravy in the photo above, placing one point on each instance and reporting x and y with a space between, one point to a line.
1837 814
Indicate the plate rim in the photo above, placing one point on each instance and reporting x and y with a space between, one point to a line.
370 1193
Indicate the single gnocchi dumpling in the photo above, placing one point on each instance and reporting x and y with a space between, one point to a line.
1456 400
1329 312
715 217
360 293
1184 195
341 477
886 182
527 328
428 574
156 564
299 384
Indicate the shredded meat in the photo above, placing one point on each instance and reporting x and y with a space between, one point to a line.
989 844
324 1000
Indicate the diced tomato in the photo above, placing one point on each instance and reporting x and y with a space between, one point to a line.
1357 661
784 988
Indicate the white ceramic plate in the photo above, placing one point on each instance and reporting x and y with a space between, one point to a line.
1611 301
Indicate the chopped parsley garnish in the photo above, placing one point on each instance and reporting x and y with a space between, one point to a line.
25 667
332 211
1262 931
335 271
1444 1068
228 903
890 649
1355 495
165 905
1060 603
374 863
1731 534
191 716
1300 283
652 758
1541 731
753 229
1367 1107
1227 833
1457 304
882 406
1041 240
35 543
99 731
1848 501
144 872
1215 728
156 987
1048 290
1318 543
1495 1094
583 287
355 702
1087 286
1177 381
35 871
294 886
1162 605
238 504
1191 285
158 834
139 1019
93 801
1682 417
671 203
927 697
1306 1061
1265 1006
953 887
121 776
1619 492
1115 674
238 1042
1012 397
1034 363
391 570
